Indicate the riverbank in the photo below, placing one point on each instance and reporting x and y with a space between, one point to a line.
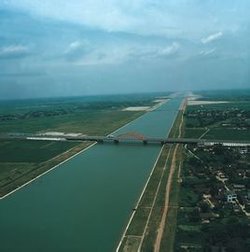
64 157
146 226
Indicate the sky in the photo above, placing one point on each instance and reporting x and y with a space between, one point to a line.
85 47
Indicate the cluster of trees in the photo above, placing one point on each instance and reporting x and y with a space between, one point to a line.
233 235
72 108
205 117
33 114
222 233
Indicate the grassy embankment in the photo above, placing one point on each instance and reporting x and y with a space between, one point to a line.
142 231
168 238
20 161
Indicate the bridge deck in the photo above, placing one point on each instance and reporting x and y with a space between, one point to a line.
119 139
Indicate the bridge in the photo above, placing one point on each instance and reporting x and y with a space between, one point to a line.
130 137
154 140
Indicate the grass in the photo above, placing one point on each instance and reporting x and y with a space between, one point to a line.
189 238
10 171
137 227
150 191
227 134
194 133
168 238
189 228
31 151
188 197
243 105
187 233
169 231
97 114
130 244
87 122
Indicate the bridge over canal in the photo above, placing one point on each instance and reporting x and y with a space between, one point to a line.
129 137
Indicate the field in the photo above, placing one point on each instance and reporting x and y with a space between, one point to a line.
99 115
230 134
21 161
225 121
35 152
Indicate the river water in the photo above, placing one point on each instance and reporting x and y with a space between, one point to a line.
85 203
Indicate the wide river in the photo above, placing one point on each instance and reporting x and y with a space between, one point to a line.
85 203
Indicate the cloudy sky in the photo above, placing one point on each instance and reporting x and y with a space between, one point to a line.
85 47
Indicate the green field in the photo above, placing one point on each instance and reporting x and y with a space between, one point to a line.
93 114
241 105
227 134
87 122
225 95
31 151
194 133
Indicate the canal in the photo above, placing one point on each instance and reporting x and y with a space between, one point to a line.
85 203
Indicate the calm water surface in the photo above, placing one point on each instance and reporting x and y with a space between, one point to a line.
85 203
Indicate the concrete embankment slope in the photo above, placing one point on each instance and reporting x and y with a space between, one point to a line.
84 204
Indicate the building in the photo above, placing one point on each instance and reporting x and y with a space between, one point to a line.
231 197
